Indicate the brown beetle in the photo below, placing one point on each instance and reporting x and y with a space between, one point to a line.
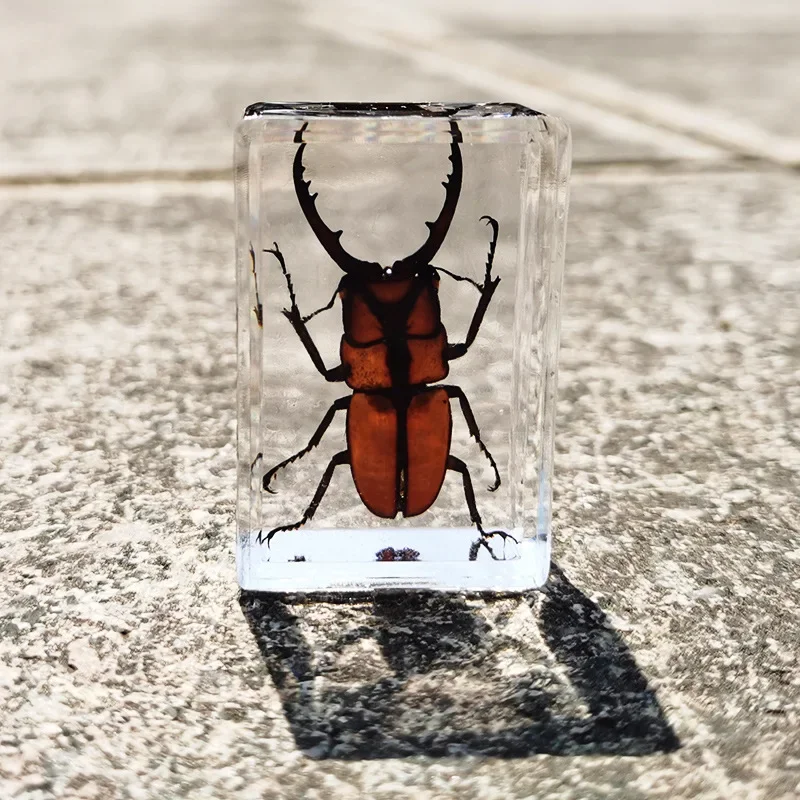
393 349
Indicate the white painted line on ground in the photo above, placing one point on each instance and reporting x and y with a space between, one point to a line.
465 60
713 126
609 17
608 105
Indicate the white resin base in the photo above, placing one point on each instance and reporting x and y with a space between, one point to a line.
345 560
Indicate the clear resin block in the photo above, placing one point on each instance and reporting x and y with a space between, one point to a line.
399 282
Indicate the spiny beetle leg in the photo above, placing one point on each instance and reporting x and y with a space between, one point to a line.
457 465
258 308
474 430
489 261
476 546
298 322
482 542
338 405
492 247
487 290
338 460
276 251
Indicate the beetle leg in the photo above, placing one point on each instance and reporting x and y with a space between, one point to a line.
299 324
493 224
338 405
487 290
338 460
474 430
457 465
475 547
258 308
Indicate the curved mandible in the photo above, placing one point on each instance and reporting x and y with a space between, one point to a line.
308 203
452 190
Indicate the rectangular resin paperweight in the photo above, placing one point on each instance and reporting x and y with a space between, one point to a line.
399 274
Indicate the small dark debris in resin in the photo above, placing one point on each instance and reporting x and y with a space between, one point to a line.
403 554
297 558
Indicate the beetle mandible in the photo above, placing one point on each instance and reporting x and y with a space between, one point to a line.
393 351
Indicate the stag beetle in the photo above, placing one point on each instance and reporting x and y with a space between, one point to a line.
393 349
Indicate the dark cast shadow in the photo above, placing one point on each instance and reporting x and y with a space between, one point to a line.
429 674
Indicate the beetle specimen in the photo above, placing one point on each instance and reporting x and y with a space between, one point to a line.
393 352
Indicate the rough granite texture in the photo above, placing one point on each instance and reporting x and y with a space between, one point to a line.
661 660
129 663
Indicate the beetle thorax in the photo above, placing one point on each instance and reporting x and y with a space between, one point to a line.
389 291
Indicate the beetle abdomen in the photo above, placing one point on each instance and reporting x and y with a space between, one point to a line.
388 484
429 425
372 442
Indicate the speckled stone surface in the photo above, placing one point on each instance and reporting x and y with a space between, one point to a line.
660 660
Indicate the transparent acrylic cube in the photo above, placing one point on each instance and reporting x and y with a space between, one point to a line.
401 437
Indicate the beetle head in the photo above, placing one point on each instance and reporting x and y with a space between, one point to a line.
371 270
